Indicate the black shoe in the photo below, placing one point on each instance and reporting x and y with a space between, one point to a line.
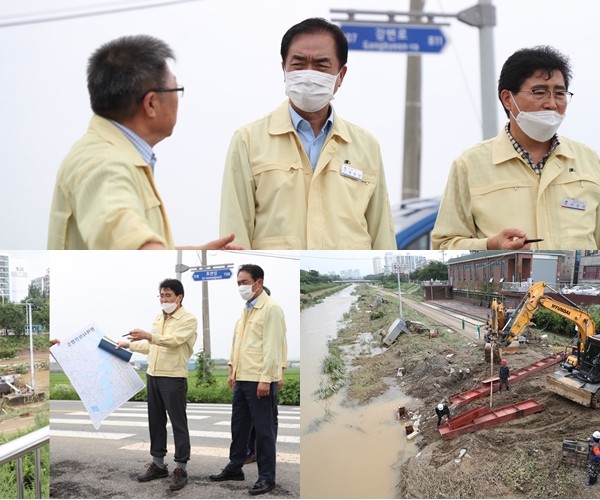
153 471
250 459
261 486
228 475
178 479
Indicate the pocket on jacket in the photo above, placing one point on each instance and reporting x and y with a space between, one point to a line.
347 193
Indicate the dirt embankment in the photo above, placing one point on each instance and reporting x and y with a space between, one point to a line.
518 459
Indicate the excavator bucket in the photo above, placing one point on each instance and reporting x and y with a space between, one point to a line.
567 385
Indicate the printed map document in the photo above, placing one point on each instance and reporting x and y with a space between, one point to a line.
104 382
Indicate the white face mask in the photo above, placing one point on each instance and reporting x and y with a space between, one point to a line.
168 307
245 291
539 125
309 90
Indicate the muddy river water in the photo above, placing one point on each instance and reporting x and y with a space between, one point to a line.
357 453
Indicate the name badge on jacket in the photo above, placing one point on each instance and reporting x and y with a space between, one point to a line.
573 203
351 172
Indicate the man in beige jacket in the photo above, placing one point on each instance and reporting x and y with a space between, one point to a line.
303 178
528 187
169 346
105 197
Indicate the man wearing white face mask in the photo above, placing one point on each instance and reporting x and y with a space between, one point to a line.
169 347
301 177
255 368
527 183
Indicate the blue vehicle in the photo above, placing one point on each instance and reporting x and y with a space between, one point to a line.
413 222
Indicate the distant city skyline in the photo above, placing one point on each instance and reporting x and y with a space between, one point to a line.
35 264
338 261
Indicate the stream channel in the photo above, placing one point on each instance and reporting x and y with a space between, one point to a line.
357 453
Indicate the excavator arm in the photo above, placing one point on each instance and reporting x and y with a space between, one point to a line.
535 299
523 314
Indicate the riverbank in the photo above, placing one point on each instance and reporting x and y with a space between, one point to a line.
520 459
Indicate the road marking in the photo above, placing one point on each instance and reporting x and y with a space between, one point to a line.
141 415
290 458
227 435
104 422
281 425
90 435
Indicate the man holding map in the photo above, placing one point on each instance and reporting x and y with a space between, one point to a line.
169 346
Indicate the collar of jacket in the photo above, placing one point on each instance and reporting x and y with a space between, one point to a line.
105 129
262 298
177 314
503 150
281 123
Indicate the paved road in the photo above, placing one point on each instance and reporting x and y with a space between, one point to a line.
104 464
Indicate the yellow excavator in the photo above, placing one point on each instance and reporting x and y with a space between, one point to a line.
579 376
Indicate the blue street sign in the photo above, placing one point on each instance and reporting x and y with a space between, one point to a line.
394 38
212 274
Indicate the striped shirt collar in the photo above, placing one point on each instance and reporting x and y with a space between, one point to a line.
536 167
140 144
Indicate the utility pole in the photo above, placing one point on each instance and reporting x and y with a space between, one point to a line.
411 168
367 30
205 319
204 273
30 324
483 17
397 267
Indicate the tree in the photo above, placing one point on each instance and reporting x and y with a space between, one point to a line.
204 368
434 270
40 307
12 317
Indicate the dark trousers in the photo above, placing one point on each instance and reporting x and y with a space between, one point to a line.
168 395
252 440
248 411
440 415
503 381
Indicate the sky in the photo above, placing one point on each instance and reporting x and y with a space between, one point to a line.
36 264
341 260
118 291
229 62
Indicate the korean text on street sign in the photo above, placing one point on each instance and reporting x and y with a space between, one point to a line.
394 38
212 274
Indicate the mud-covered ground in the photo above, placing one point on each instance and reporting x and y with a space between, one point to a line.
518 459
16 418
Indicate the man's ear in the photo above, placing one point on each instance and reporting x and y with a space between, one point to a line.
149 104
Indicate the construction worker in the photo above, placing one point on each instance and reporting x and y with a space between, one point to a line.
594 458
441 410
504 374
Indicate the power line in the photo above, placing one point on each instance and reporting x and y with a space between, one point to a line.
78 13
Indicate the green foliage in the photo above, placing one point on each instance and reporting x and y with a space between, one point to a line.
12 317
7 352
289 394
334 373
434 270
376 315
548 320
63 391
219 392
8 475
312 277
204 369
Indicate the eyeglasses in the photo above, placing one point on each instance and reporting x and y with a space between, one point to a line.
560 96
179 90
